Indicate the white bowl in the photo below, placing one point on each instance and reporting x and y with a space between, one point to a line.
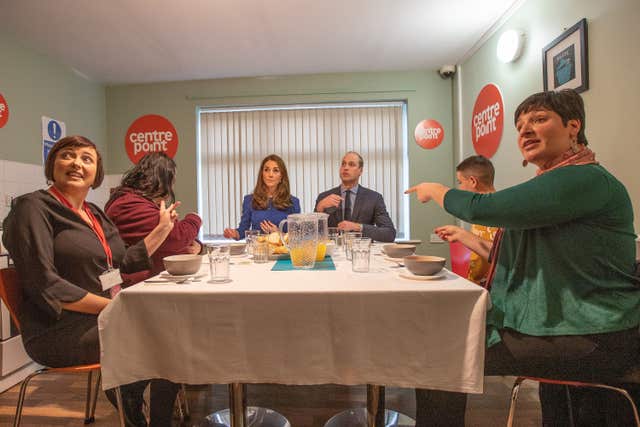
180 265
395 250
424 265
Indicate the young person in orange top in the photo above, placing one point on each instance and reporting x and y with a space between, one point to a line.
474 174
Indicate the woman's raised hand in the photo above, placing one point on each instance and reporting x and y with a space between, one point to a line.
194 248
268 227
168 215
231 233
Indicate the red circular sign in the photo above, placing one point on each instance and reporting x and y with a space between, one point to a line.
4 111
429 134
487 121
148 134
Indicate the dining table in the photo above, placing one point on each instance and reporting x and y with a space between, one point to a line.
270 324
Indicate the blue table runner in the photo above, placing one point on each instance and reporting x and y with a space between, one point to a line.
285 265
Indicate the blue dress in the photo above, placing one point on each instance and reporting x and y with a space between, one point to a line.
251 218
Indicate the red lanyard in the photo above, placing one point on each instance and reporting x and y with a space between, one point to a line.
95 224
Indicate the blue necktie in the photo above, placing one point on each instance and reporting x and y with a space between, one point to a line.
347 205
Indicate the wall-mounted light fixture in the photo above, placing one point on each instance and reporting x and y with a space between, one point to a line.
510 45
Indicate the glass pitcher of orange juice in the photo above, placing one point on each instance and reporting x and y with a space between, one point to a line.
302 242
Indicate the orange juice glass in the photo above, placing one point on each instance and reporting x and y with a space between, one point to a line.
321 251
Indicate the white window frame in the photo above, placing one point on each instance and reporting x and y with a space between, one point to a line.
307 201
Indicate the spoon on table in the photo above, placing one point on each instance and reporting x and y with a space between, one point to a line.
400 263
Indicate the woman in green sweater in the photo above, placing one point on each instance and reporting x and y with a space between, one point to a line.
565 301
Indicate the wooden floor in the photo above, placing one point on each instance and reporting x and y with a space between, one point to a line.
58 400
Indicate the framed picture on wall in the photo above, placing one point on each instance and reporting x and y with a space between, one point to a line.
564 60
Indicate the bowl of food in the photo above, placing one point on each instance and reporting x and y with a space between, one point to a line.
237 248
182 265
424 265
395 250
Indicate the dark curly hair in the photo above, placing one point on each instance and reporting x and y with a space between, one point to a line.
152 178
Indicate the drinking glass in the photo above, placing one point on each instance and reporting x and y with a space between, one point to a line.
348 237
250 237
323 235
218 262
360 254
260 251
335 235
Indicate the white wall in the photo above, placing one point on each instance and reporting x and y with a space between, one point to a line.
18 178
35 85
614 86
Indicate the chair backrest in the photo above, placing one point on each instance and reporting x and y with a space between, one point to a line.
10 292
460 257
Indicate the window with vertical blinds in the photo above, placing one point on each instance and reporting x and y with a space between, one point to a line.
312 140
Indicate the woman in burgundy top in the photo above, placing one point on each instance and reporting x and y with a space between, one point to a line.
133 208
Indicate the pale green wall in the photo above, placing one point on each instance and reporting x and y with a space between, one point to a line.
614 86
34 85
427 95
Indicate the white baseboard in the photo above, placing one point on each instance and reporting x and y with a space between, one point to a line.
17 376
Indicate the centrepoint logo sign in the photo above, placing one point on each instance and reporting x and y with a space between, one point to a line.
429 134
148 134
4 111
487 121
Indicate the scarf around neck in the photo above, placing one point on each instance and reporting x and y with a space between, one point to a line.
571 157
585 156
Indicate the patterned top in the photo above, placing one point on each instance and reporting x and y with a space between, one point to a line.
479 267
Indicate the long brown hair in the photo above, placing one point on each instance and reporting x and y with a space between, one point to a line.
282 197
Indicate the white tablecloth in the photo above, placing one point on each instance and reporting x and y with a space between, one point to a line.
299 327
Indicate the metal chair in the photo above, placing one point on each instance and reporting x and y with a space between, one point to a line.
182 404
633 376
11 295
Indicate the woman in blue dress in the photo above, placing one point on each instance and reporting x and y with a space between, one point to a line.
270 202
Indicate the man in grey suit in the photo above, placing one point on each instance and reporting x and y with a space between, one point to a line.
352 207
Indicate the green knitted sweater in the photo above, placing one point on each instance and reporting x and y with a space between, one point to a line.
565 266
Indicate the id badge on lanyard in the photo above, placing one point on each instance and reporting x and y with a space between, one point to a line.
110 278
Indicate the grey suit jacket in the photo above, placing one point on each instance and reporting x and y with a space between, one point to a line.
369 210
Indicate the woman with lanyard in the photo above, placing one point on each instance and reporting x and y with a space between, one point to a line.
69 257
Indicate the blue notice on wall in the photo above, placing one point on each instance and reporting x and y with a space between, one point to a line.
52 131
46 147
